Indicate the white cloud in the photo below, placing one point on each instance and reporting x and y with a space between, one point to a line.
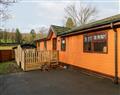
53 11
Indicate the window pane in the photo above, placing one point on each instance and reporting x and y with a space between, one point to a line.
63 44
87 43
63 41
100 47
89 38
98 37
95 37
87 46
85 39
103 36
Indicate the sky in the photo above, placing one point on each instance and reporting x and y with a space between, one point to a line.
33 14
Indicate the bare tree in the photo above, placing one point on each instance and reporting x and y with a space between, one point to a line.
7 2
4 8
81 15
42 32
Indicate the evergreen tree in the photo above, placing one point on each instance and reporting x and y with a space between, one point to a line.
69 23
33 35
18 36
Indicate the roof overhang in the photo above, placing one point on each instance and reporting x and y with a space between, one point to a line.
101 27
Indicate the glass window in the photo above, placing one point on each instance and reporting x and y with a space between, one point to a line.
63 44
95 42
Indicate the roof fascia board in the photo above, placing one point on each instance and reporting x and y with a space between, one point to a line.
51 30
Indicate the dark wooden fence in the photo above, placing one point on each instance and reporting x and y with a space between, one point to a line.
6 55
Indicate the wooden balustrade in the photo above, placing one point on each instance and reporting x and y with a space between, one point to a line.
31 59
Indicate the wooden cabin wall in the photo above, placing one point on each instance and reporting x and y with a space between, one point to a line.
98 62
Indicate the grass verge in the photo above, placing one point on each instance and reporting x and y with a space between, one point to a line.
9 67
6 47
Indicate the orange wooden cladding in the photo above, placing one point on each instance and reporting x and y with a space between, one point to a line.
98 62
6 55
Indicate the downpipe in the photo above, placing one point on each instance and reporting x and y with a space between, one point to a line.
115 54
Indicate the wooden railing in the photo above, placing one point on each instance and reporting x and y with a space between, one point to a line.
30 59
33 56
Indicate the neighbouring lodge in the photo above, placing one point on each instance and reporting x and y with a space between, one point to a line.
94 46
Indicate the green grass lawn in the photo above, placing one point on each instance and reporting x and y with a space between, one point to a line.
7 41
9 67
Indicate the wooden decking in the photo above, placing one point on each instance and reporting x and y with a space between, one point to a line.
31 59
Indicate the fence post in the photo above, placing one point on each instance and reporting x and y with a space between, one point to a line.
57 57
23 62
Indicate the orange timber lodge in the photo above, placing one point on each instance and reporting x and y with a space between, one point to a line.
93 47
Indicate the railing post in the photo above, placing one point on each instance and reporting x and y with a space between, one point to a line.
57 57
49 57
22 59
